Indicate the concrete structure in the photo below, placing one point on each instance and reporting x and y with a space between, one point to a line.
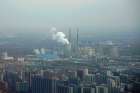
6 57
43 85
101 89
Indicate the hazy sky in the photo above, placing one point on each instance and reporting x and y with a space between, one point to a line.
117 14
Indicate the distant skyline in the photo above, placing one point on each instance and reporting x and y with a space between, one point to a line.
91 14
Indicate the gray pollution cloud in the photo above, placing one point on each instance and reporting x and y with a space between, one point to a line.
60 37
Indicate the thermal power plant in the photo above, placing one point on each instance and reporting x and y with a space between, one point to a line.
63 41
68 47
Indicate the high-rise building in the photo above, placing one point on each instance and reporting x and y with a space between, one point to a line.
41 84
82 89
88 90
3 87
81 73
22 87
64 89
90 78
11 79
114 84
101 89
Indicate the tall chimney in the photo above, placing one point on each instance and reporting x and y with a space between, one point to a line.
70 35
70 45
77 38
77 43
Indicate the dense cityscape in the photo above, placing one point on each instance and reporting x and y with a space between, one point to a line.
103 67
69 46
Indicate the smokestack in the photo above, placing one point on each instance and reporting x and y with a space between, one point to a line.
77 43
77 38
70 45
70 35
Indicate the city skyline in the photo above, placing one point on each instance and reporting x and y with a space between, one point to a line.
69 46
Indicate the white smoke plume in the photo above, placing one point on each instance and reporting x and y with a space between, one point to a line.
36 51
60 37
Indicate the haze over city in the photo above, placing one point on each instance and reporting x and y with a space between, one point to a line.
69 46
116 15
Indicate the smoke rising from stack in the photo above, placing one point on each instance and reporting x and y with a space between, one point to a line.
39 51
36 51
60 37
